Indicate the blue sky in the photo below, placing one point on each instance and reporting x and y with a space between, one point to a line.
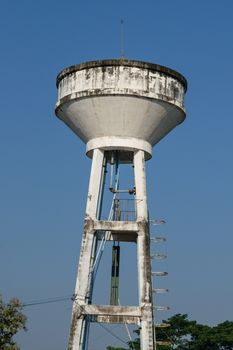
44 171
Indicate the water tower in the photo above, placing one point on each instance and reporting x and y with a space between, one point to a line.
120 108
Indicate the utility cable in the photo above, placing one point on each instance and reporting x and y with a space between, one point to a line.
47 301
171 340
127 329
113 334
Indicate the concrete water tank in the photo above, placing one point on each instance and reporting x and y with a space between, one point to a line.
120 103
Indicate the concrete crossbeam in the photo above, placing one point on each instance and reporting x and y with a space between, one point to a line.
103 310
116 226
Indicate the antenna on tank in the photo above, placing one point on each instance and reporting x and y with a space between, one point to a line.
122 39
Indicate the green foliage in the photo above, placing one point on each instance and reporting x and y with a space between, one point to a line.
111 348
135 345
11 321
189 335
184 334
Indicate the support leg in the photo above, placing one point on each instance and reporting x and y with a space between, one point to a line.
79 323
143 246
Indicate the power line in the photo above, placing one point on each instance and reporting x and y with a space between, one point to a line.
171 340
96 339
47 301
66 298
112 334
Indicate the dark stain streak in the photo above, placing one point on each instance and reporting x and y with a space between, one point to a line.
164 71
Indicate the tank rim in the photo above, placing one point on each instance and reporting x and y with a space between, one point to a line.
122 62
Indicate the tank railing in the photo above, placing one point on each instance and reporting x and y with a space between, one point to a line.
124 209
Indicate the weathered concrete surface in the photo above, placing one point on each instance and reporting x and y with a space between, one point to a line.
110 314
120 319
120 104
123 226
124 63
143 256
83 288
112 310
122 231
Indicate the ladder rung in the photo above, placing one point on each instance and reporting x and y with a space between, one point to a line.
163 342
162 325
159 273
158 239
158 256
157 222
160 290
161 307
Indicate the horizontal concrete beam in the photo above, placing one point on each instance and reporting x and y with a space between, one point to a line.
116 226
111 310
116 319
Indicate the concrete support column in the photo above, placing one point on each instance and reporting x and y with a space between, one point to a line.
94 183
143 254
78 324
140 183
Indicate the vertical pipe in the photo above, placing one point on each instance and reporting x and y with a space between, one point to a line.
115 275
111 170
102 184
